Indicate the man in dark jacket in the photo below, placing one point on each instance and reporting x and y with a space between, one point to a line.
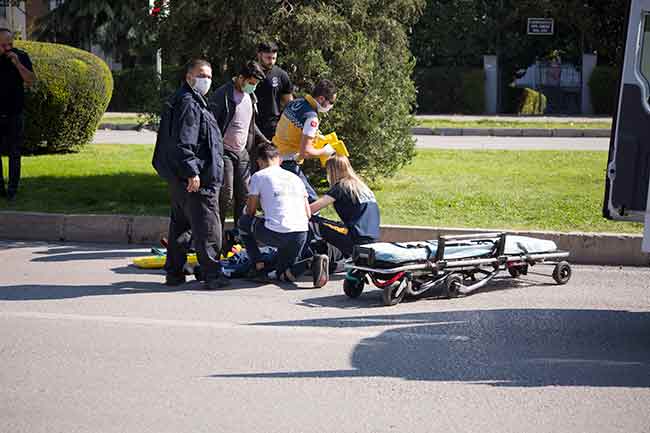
195 159
15 73
234 105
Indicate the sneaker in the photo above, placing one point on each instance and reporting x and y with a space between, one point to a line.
320 270
220 282
11 197
174 280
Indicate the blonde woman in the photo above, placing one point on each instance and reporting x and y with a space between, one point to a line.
354 203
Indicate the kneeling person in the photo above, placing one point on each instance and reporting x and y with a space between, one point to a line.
283 198
354 203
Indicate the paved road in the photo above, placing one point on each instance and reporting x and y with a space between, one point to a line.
88 344
511 143
423 141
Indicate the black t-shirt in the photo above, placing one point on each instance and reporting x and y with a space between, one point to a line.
12 90
268 92
361 218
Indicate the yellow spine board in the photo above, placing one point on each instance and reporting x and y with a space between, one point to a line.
332 140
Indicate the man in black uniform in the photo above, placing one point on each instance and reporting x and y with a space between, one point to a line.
16 72
189 153
274 92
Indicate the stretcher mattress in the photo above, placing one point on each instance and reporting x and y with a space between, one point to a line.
408 252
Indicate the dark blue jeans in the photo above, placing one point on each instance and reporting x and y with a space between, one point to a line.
289 245
296 169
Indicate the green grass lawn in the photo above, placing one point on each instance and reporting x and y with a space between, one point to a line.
542 190
430 123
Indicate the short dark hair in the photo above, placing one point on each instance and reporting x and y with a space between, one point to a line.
267 152
267 47
6 30
196 63
252 69
324 88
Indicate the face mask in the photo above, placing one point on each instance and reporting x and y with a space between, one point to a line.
202 85
322 109
249 88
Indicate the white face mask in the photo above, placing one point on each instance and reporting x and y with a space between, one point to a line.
202 85
322 109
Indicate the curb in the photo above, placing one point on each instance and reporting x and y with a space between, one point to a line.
513 132
586 248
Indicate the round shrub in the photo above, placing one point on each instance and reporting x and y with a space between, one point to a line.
603 85
67 101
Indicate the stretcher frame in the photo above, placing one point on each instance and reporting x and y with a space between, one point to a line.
417 278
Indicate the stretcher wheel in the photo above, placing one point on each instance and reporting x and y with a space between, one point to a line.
516 271
562 273
453 282
394 293
353 285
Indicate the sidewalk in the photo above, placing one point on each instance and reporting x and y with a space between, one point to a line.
472 132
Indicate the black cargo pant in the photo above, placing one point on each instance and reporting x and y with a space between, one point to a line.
198 212
236 177
12 136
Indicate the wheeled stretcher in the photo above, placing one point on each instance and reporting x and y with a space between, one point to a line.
459 265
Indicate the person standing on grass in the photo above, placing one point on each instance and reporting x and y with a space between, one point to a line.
16 72
189 151
274 92
234 106
283 198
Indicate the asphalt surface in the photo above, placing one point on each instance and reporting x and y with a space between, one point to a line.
423 141
90 344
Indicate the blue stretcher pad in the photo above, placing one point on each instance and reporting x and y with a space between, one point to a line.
407 252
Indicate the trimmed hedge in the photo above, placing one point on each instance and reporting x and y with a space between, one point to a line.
67 101
603 85
450 90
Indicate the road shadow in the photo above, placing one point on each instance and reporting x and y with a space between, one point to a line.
371 296
40 292
71 254
502 348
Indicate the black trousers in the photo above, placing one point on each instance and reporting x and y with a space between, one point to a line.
198 212
236 177
340 243
12 137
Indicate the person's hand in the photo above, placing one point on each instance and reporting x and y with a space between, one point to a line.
193 184
328 150
13 57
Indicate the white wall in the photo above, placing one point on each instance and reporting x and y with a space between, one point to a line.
16 20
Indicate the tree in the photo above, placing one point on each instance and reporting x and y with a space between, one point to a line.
119 27
361 45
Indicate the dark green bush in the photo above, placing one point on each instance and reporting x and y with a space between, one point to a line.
525 101
532 102
135 90
603 86
138 90
450 90
65 105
